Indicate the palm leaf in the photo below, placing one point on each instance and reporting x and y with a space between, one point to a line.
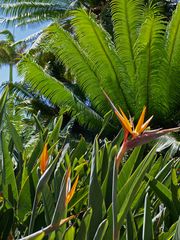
151 85
173 50
62 45
22 11
58 93
126 16
104 60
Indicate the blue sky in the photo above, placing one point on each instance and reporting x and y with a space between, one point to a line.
19 33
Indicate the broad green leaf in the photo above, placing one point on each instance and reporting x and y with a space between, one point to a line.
83 229
175 190
35 153
131 232
105 160
48 202
55 133
2 104
69 234
61 202
8 178
147 233
163 193
95 194
101 230
79 150
114 202
107 184
128 167
27 193
106 121
15 136
39 125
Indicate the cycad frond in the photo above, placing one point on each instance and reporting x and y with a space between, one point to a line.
173 51
126 16
104 61
58 93
151 84
69 52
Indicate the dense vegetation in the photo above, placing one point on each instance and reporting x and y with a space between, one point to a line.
68 168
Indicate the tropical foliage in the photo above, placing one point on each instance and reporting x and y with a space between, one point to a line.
140 67
37 199
59 185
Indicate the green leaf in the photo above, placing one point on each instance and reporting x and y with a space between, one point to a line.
52 89
177 233
53 138
147 233
61 202
95 194
15 136
107 184
175 190
168 235
163 193
69 234
131 227
128 167
27 192
101 230
8 178
2 104
35 153
83 230
127 194
79 150
48 202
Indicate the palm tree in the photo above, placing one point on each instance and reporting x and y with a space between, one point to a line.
10 51
141 67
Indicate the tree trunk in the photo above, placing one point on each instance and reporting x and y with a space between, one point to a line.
10 73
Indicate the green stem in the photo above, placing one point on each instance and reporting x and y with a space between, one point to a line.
117 162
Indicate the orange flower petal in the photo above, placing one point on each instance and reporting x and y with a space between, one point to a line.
72 191
44 159
126 122
144 126
140 121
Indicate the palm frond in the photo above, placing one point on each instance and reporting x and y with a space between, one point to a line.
58 93
62 45
9 36
104 61
173 50
22 12
126 16
7 53
151 84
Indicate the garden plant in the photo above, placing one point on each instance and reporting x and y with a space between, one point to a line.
123 89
